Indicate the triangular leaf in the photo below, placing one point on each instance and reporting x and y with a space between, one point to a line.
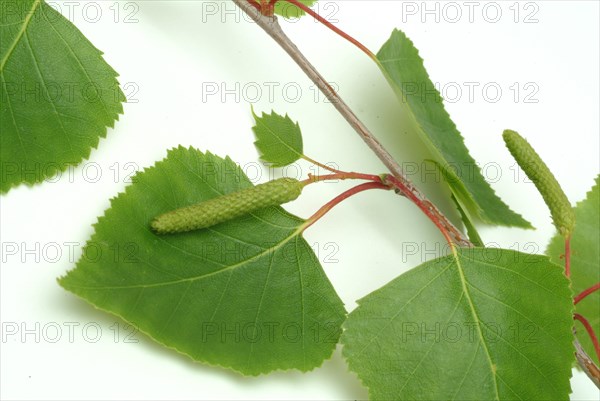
58 94
486 324
403 67
248 294
288 10
585 262
278 139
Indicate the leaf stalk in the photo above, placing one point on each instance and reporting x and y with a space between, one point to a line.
590 332
335 29
586 292
338 199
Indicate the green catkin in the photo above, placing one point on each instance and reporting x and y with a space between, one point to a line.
562 213
227 207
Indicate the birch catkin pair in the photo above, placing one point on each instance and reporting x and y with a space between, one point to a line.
227 207
236 204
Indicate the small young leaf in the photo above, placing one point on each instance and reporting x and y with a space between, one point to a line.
288 10
58 94
228 207
278 139
486 324
248 294
538 172
403 67
585 262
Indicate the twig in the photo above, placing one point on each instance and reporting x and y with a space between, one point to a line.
271 26
586 363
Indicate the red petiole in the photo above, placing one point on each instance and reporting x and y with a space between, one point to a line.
323 166
426 207
375 182
341 176
582 295
387 182
264 7
267 9
343 196
590 331
255 4
586 292
568 256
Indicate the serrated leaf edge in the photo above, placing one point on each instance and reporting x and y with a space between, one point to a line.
53 169
473 205
481 337
258 141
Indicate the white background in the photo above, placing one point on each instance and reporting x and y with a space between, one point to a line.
167 52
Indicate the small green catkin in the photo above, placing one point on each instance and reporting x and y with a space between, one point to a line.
562 213
228 207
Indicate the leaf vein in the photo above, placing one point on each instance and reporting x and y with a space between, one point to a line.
515 310
14 44
199 277
395 315
262 297
58 117
70 48
464 284
433 343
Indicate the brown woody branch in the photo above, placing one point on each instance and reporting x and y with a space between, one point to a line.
271 26
586 363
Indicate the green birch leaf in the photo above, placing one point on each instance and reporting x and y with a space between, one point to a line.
585 262
248 294
288 10
403 67
486 324
57 93
278 139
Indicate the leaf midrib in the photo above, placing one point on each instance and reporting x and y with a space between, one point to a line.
294 234
14 44
463 281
